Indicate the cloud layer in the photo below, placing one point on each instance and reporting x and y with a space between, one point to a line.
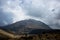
47 11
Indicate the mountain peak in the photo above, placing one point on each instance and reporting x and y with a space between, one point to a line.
26 26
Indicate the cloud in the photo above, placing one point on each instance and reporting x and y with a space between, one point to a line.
5 17
47 11
11 12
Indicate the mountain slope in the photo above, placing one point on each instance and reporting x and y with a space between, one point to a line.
25 26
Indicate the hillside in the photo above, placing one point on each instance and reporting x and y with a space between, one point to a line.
25 26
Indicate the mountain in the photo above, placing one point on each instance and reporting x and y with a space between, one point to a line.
25 26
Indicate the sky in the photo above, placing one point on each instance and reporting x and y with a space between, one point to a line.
47 11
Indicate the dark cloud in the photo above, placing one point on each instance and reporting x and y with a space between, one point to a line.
58 0
2 2
35 13
5 18
58 14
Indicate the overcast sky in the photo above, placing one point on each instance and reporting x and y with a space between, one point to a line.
47 11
